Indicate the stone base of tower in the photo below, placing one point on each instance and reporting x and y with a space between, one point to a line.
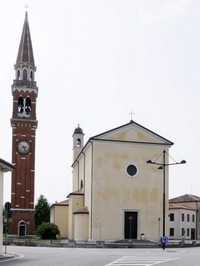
22 223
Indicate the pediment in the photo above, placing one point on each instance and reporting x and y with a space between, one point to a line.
132 132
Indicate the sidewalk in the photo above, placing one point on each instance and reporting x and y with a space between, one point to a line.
7 256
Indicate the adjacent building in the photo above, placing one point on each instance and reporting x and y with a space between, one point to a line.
4 167
184 217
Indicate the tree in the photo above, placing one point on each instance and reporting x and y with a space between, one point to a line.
42 211
48 231
7 215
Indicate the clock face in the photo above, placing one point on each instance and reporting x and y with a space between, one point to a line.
23 147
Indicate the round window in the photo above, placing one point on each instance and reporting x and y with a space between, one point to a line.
131 170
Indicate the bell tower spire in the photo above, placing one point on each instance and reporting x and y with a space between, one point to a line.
25 64
24 125
25 57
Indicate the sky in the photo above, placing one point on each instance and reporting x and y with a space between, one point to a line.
97 61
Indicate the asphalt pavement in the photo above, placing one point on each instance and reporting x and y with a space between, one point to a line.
53 256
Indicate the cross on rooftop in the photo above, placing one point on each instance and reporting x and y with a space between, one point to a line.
131 113
26 7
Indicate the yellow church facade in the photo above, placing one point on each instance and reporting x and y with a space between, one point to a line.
116 195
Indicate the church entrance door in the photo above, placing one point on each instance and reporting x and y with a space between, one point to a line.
22 229
130 225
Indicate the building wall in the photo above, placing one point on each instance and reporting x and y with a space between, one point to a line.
75 182
81 173
182 229
1 211
198 219
196 205
88 184
75 204
114 192
26 216
59 216
83 170
110 193
81 227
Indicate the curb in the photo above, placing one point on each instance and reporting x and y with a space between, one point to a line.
10 256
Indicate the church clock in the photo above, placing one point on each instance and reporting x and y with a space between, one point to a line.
23 147
24 125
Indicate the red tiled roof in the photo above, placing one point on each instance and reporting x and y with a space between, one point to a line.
78 192
62 203
185 198
82 211
180 206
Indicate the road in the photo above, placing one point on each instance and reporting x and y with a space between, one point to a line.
42 256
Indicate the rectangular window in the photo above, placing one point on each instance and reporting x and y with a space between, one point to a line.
193 218
183 231
171 231
188 217
188 232
171 217
182 217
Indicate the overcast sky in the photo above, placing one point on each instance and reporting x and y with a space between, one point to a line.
98 60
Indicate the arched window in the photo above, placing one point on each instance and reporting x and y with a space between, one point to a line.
20 106
31 76
81 184
24 74
28 106
18 74
78 143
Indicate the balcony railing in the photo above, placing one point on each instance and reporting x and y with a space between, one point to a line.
27 83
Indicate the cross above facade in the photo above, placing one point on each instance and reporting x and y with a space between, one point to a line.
131 113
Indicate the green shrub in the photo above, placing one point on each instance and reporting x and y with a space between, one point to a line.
47 231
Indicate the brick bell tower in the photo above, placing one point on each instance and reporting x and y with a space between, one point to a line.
24 125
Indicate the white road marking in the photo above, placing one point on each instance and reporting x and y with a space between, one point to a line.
16 256
139 261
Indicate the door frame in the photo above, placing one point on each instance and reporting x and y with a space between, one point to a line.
21 224
138 221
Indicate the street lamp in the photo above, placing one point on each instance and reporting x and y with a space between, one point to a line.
162 167
28 226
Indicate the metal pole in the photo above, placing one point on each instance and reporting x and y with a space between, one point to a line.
100 230
164 153
159 229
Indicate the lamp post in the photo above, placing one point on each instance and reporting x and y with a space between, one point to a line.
162 166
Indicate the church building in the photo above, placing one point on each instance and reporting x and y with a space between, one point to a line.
116 195
24 125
